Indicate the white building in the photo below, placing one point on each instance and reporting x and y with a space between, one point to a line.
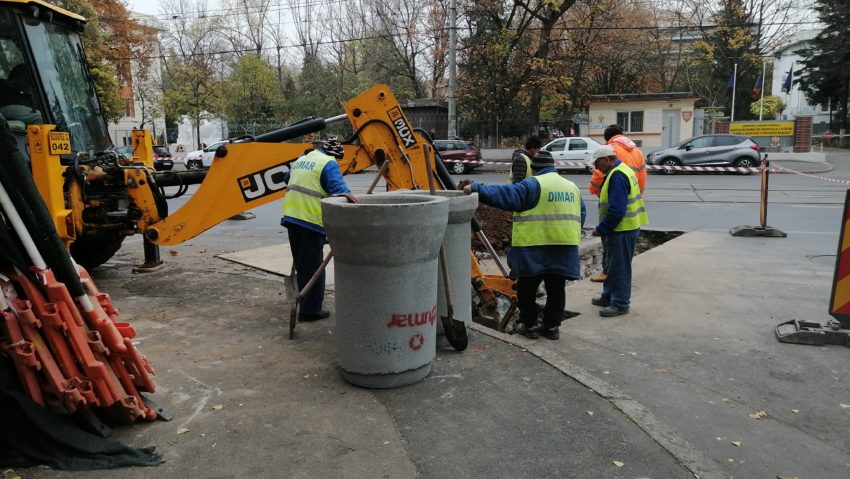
143 94
652 120
796 103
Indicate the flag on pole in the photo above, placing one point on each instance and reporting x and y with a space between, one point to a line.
757 88
786 85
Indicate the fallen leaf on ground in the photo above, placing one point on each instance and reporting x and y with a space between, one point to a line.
618 463
606 372
203 435
218 407
795 411
698 353
661 371
730 460
844 406
590 413
386 442
757 415
174 252
479 349
306 376
736 443
182 430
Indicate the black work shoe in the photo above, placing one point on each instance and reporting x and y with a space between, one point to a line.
307 317
550 333
530 333
598 301
611 311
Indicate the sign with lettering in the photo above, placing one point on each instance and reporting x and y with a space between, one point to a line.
59 143
762 128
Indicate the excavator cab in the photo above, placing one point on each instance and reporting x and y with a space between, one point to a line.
44 78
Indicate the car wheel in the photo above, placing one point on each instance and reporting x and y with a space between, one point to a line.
671 162
458 168
745 163
193 165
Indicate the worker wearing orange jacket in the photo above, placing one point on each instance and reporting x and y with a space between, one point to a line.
627 152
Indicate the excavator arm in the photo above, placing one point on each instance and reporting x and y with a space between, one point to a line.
249 173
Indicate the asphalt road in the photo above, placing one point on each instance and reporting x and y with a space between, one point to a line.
684 202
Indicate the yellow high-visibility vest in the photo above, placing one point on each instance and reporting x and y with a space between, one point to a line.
304 192
635 209
555 220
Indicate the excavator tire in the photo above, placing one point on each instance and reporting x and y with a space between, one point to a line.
94 250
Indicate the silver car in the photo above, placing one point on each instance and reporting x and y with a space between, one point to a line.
720 150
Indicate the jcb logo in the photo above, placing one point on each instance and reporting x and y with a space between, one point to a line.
401 127
262 183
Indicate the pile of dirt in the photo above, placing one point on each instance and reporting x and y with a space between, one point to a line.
497 227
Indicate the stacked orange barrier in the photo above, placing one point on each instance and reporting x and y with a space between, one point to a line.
69 359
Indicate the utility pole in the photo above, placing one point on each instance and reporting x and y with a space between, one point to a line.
452 133
761 89
734 87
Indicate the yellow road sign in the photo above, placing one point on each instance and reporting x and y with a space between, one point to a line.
762 128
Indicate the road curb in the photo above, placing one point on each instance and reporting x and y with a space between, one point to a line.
695 461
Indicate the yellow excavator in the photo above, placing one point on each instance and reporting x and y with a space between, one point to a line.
96 197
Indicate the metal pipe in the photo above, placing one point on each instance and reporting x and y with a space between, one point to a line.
492 251
21 230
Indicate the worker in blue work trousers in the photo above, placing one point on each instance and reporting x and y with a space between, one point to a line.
548 215
621 214
312 177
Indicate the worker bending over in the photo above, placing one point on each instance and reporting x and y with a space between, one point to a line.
621 214
312 177
548 216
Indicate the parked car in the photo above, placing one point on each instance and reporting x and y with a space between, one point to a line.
720 150
161 156
458 150
162 160
575 148
195 160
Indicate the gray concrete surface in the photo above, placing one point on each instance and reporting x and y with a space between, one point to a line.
213 330
673 382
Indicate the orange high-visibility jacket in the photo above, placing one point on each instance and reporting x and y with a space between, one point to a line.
628 153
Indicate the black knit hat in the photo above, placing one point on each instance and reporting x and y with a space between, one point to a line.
333 147
542 159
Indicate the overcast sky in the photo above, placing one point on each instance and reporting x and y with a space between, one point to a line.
151 7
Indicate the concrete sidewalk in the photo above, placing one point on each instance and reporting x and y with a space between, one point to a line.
667 390
696 357
251 403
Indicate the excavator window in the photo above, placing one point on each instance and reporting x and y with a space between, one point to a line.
18 99
61 66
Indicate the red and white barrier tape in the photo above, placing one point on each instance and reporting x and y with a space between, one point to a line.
583 165
704 169
789 170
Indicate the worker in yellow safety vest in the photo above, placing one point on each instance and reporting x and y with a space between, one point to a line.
312 177
629 153
621 214
547 221
521 159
